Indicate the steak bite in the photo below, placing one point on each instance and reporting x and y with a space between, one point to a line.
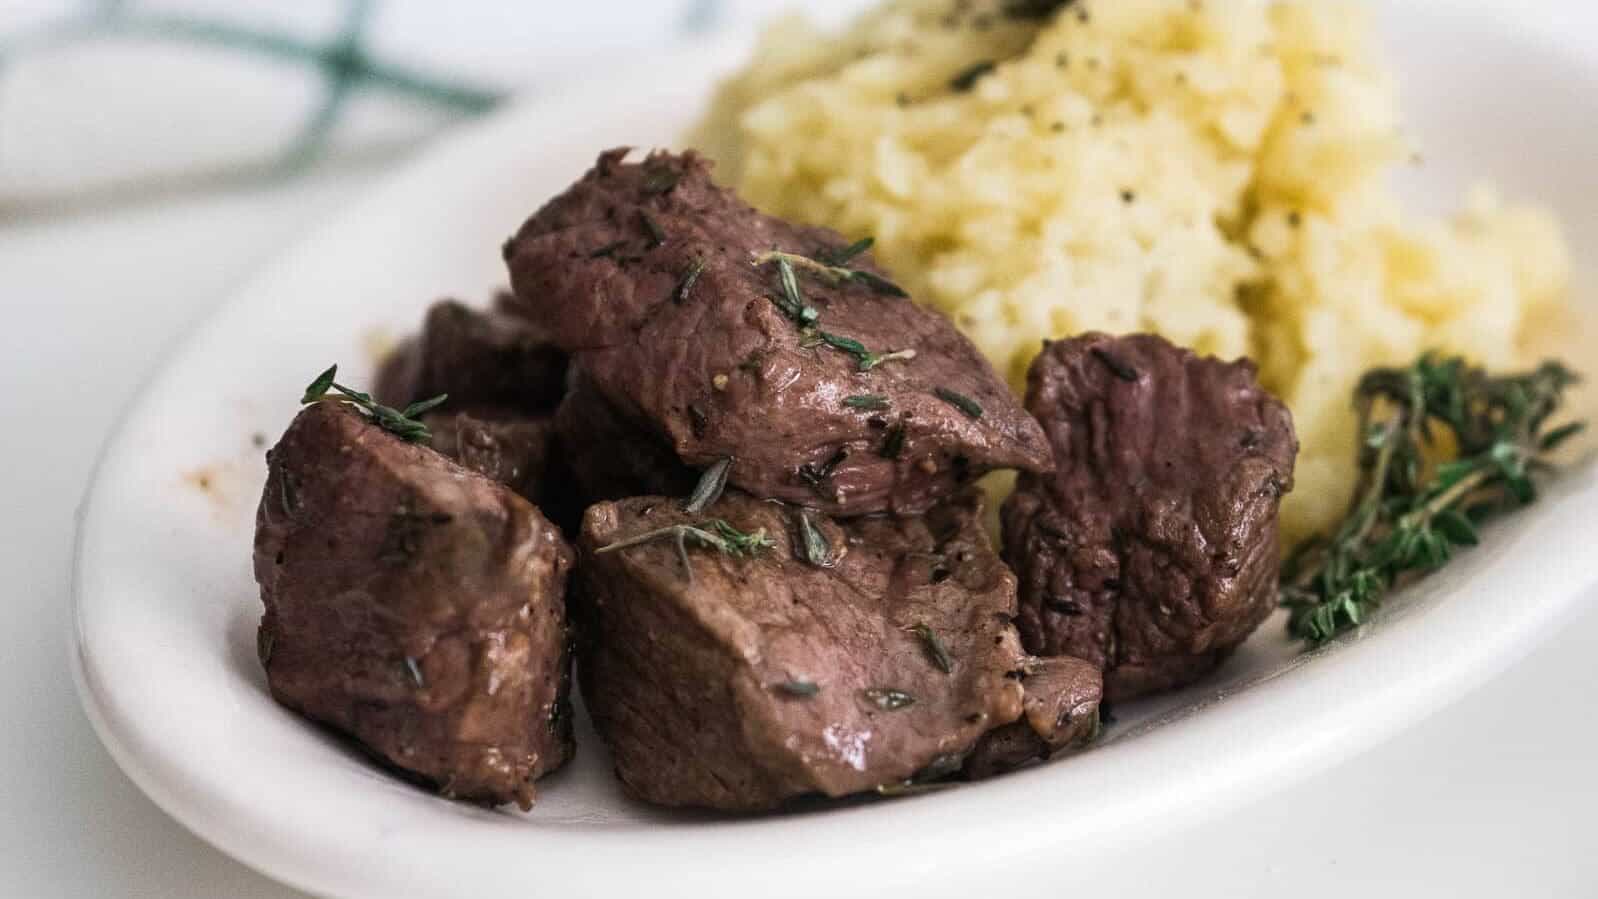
755 675
615 457
1152 549
503 381
478 357
723 332
414 605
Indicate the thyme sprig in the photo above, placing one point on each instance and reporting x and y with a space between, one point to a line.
714 533
404 423
937 653
835 275
1421 494
793 304
865 359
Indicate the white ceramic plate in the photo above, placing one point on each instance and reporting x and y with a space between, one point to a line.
165 643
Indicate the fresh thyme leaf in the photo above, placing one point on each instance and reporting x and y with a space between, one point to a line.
713 534
660 178
887 698
869 402
402 424
846 254
865 359
877 283
422 407
817 551
790 284
1560 436
1412 511
959 401
657 235
968 77
688 281
833 274
937 653
847 344
319 387
1457 528
798 687
1115 364
711 484
893 443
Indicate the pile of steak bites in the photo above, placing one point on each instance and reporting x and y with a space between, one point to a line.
726 463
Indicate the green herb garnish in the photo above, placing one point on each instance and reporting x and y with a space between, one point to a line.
798 687
833 274
817 551
402 423
794 303
959 401
888 699
968 77
869 402
1410 513
937 653
846 254
713 534
694 271
710 486
865 359
415 671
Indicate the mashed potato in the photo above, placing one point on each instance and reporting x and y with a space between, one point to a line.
1211 170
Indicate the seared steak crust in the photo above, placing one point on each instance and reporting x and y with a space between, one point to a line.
1152 549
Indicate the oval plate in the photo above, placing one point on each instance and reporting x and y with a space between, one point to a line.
166 615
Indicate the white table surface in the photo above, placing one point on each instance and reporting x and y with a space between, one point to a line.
1492 797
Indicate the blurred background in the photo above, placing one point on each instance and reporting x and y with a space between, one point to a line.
153 153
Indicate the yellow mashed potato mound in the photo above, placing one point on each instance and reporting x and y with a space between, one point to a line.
1211 170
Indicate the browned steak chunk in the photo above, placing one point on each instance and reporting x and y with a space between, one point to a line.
612 456
744 681
1152 549
478 357
415 605
831 390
